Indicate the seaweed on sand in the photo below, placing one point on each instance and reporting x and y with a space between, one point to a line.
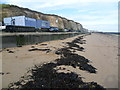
72 59
36 49
46 76
79 41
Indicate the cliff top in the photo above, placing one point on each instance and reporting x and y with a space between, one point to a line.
11 6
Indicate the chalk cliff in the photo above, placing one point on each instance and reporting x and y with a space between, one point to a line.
55 20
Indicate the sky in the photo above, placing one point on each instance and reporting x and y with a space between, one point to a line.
98 15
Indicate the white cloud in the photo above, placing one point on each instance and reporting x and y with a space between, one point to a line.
54 3
48 1
84 14
102 27
82 11
110 17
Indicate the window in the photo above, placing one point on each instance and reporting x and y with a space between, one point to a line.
44 24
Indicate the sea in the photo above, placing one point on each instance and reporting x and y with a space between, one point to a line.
117 34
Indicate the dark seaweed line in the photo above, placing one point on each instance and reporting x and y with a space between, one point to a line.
45 76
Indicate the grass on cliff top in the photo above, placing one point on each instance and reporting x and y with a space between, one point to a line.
6 5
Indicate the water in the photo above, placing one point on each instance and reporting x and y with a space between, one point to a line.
113 33
117 35
20 40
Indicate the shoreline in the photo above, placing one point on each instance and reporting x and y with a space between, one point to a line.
104 56
40 51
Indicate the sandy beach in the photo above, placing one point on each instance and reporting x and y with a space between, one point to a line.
103 51
100 49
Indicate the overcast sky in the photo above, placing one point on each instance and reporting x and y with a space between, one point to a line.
101 15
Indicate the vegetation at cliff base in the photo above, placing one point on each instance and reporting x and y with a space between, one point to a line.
6 5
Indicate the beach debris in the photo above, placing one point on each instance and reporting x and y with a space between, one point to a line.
36 43
75 60
10 51
7 49
58 52
43 44
36 49
19 45
46 76
79 40
75 46
32 46
8 73
71 44
63 42
4 73
48 51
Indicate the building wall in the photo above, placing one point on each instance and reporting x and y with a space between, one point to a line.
7 21
38 23
30 22
26 21
45 24
19 20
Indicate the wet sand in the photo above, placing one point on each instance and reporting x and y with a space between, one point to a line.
101 49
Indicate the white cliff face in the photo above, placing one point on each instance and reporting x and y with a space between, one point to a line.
79 26
66 24
55 21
